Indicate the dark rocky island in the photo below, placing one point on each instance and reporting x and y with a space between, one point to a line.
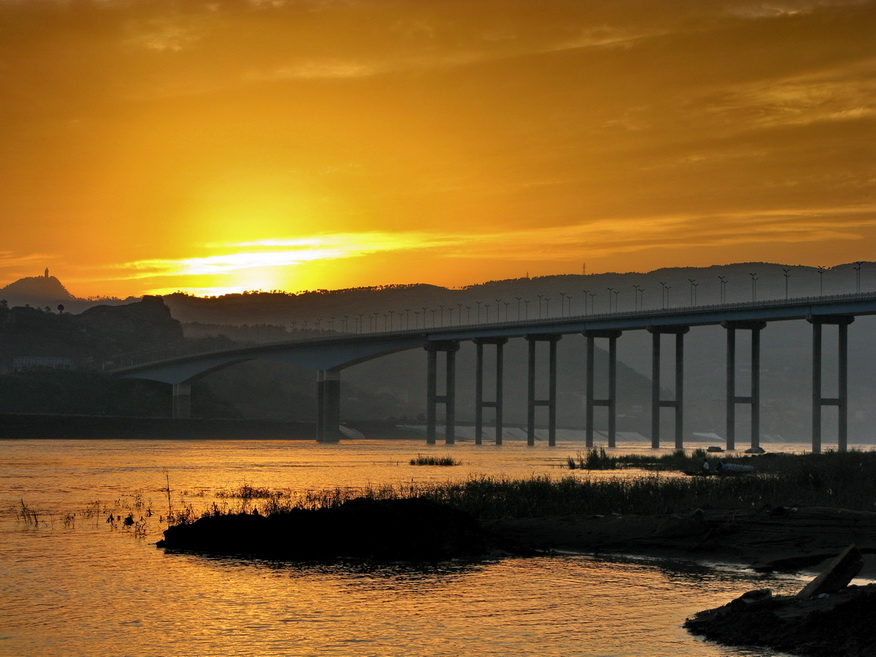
827 618
413 529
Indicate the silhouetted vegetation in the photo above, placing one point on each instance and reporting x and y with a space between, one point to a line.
421 459
599 459
833 479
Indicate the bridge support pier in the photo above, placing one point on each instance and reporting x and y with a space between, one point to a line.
611 400
551 401
732 398
841 401
678 402
449 347
480 404
182 400
328 414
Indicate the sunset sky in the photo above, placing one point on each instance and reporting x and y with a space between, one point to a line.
222 145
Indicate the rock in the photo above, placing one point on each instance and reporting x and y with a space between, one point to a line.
840 625
751 599
827 618
836 576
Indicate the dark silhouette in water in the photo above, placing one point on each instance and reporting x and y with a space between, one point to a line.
413 529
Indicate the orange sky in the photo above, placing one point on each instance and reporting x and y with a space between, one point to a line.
156 145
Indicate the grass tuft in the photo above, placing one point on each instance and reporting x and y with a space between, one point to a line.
599 459
420 459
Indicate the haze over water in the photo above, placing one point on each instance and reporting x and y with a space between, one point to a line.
91 589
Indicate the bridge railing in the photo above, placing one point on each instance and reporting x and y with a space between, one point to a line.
532 325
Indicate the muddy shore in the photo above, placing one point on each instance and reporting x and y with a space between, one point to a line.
766 539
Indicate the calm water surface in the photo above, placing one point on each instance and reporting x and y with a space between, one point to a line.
76 585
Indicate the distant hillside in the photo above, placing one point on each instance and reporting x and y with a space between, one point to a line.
410 306
37 291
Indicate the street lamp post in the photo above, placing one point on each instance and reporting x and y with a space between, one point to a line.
787 274
610 290
693 291
858 276
586 292
723 280
754 278
665 293
821 271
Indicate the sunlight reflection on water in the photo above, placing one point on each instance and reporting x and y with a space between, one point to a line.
97 591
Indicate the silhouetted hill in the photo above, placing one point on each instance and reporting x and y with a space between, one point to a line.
36 291
101 336
410 306
111 334
147 321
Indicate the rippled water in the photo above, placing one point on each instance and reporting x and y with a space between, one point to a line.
89 588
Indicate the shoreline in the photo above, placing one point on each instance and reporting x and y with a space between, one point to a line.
765 540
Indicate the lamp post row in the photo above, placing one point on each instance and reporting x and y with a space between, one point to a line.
402 319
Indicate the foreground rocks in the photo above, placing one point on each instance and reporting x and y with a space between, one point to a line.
826 618
839 625
390 530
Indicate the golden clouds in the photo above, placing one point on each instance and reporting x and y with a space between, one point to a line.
343 143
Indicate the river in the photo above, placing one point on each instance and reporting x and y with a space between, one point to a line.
73 584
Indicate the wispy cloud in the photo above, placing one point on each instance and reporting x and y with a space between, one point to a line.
280 252
12 260
604 237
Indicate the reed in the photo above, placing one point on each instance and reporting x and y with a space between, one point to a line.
599 459
421 459
27 514
248 492
833 479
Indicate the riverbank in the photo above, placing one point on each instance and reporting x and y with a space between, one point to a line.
767 539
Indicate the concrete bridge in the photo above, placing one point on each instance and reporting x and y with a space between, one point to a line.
328 356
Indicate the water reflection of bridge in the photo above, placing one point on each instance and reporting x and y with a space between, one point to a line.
328 356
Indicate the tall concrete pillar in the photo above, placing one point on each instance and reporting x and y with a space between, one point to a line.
328 413
449 348
611 400
656 402
480 404
841 401
551 401
182 400
732 399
